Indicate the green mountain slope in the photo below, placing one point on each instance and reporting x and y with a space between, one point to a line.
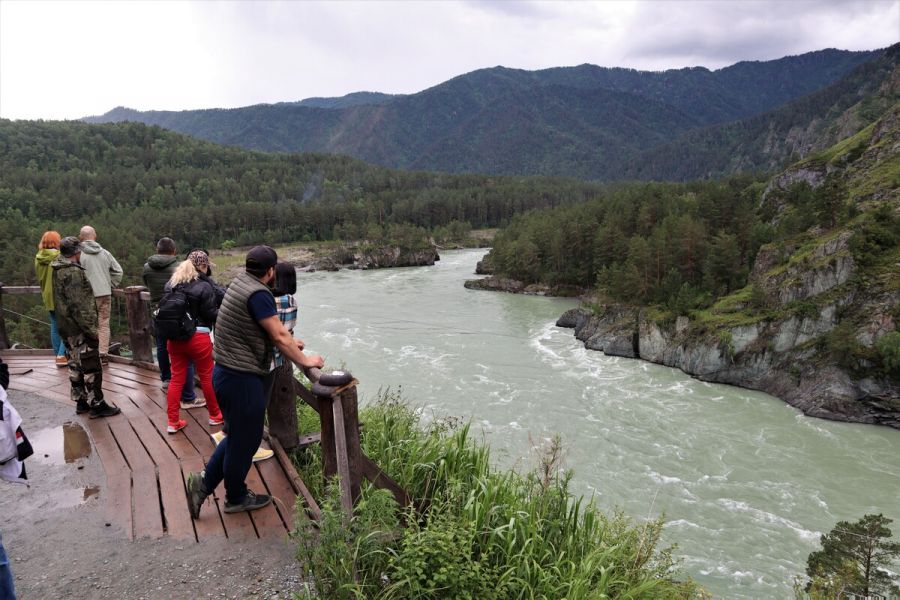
577 121
768 141
791 286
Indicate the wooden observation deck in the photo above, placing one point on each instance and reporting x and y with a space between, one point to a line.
146 468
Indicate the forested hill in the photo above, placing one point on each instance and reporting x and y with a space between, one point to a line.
584 121
136 183
789 286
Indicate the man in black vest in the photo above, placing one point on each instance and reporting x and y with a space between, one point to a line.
246 330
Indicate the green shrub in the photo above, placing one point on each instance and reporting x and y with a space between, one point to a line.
889 350
475 532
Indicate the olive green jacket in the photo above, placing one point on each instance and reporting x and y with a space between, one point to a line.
76 309
42 261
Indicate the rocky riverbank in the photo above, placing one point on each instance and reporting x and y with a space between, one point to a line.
801 331
773 357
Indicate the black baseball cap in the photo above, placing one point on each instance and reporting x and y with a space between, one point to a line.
261 258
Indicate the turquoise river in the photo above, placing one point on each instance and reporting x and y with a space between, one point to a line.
745 482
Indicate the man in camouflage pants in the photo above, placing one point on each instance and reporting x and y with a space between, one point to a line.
76 316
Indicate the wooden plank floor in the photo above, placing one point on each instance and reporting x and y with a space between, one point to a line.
146 468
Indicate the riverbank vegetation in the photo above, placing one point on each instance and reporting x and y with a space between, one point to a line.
474 531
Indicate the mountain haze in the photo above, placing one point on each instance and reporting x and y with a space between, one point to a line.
579 121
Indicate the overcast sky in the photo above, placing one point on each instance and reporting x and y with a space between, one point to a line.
66 60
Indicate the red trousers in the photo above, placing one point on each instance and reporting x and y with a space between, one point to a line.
199 350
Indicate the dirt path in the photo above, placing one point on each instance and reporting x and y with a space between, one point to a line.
60 545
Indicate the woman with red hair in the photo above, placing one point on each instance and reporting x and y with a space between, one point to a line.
47 251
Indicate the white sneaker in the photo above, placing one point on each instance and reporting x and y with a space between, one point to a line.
260 454
195 403
263 454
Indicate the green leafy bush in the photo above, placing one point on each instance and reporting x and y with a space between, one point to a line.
475 532
889 349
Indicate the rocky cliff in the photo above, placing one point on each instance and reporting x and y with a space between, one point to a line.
780 357
806 328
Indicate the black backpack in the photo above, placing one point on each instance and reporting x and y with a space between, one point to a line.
173 317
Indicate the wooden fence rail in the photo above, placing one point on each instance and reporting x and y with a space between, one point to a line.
338 409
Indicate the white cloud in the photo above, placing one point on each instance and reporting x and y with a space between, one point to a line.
71 59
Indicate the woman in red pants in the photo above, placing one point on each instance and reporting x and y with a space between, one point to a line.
203 296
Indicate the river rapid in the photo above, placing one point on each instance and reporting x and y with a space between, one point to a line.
745 482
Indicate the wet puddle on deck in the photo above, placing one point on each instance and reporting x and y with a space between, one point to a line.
64 445
61 445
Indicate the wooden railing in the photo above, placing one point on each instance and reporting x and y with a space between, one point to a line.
338 409
137 310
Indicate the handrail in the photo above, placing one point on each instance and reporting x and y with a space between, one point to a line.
137 310
36 289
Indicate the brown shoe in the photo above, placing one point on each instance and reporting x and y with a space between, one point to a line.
62 361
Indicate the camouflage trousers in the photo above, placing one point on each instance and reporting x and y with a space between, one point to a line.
85 370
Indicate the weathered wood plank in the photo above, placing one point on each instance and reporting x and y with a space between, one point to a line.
279 487
312 507
118 500
209 524
379 478
147 515
110 456
343 461
150 436
177 518
267 520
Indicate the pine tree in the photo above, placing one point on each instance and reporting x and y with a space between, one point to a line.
858 557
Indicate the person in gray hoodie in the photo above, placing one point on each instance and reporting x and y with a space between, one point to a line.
104 273
157 271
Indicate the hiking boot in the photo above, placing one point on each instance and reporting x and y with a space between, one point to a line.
250 502
104 410
196 495
195 403
176 427
82 407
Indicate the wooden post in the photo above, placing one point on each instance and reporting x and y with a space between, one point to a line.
4 339
349 403
138 313
343 461
326 425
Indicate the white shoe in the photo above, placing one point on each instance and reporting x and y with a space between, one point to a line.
260 454
263 454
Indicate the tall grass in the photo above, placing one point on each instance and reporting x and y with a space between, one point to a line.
474 532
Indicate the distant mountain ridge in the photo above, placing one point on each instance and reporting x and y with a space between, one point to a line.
586 121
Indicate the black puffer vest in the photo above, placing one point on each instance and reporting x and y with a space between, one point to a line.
240 342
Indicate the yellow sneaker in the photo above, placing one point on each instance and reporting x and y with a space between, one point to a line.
217 436
262 454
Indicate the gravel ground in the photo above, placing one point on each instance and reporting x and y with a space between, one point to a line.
60 545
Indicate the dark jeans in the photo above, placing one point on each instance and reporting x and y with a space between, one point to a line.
165 369
7 588
242 400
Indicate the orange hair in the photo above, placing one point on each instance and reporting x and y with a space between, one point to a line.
49 240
